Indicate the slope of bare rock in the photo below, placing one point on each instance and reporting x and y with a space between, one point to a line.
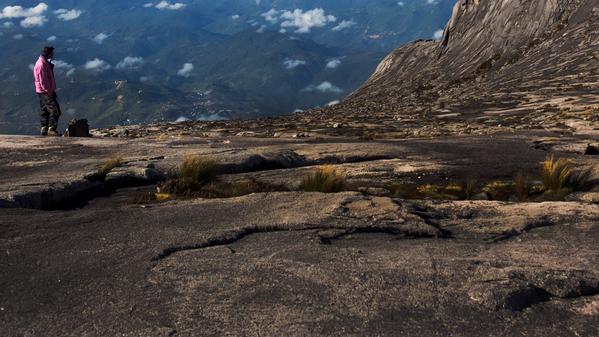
300 264
87 262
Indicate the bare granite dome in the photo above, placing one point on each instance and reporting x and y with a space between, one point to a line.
504 47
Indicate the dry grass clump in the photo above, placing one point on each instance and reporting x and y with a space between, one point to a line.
197 177
198 169
522 186
191 176
556 173
561 177
469 187
326 179
581 179
110 165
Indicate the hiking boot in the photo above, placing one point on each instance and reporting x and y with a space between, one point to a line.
53 133
44 131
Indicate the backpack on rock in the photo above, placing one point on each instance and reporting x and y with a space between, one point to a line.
78 128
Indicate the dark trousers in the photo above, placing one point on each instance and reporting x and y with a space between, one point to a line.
50 110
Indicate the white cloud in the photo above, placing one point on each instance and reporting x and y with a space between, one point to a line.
186 70
34 21
65 67
261 29
97 65
18 36
438 35
17 12
291 64
271 16
343 25
165 5
68 15
182 119
324 87
99 39
130 62
32 17
334 63
303 22
7 24
51 38
333 103
235 17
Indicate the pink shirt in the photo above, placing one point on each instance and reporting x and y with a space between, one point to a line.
44 77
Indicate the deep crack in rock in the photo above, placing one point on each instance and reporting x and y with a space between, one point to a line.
531 225
234 236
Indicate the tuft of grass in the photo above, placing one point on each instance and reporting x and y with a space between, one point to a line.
110 165
560 177
581 179
326 179
522 185
191 176
469 187
198 170
556 173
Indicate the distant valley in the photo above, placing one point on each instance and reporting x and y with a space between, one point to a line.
138 61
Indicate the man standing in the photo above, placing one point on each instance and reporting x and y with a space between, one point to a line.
45 87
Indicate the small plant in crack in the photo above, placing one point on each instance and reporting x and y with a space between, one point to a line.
522 186
110 165
190 176
560 177
326 179
556 173
469 186
198 177
581 179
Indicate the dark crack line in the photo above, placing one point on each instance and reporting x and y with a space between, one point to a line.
531 225
407 234
431 220
229 238
536 295
234 236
